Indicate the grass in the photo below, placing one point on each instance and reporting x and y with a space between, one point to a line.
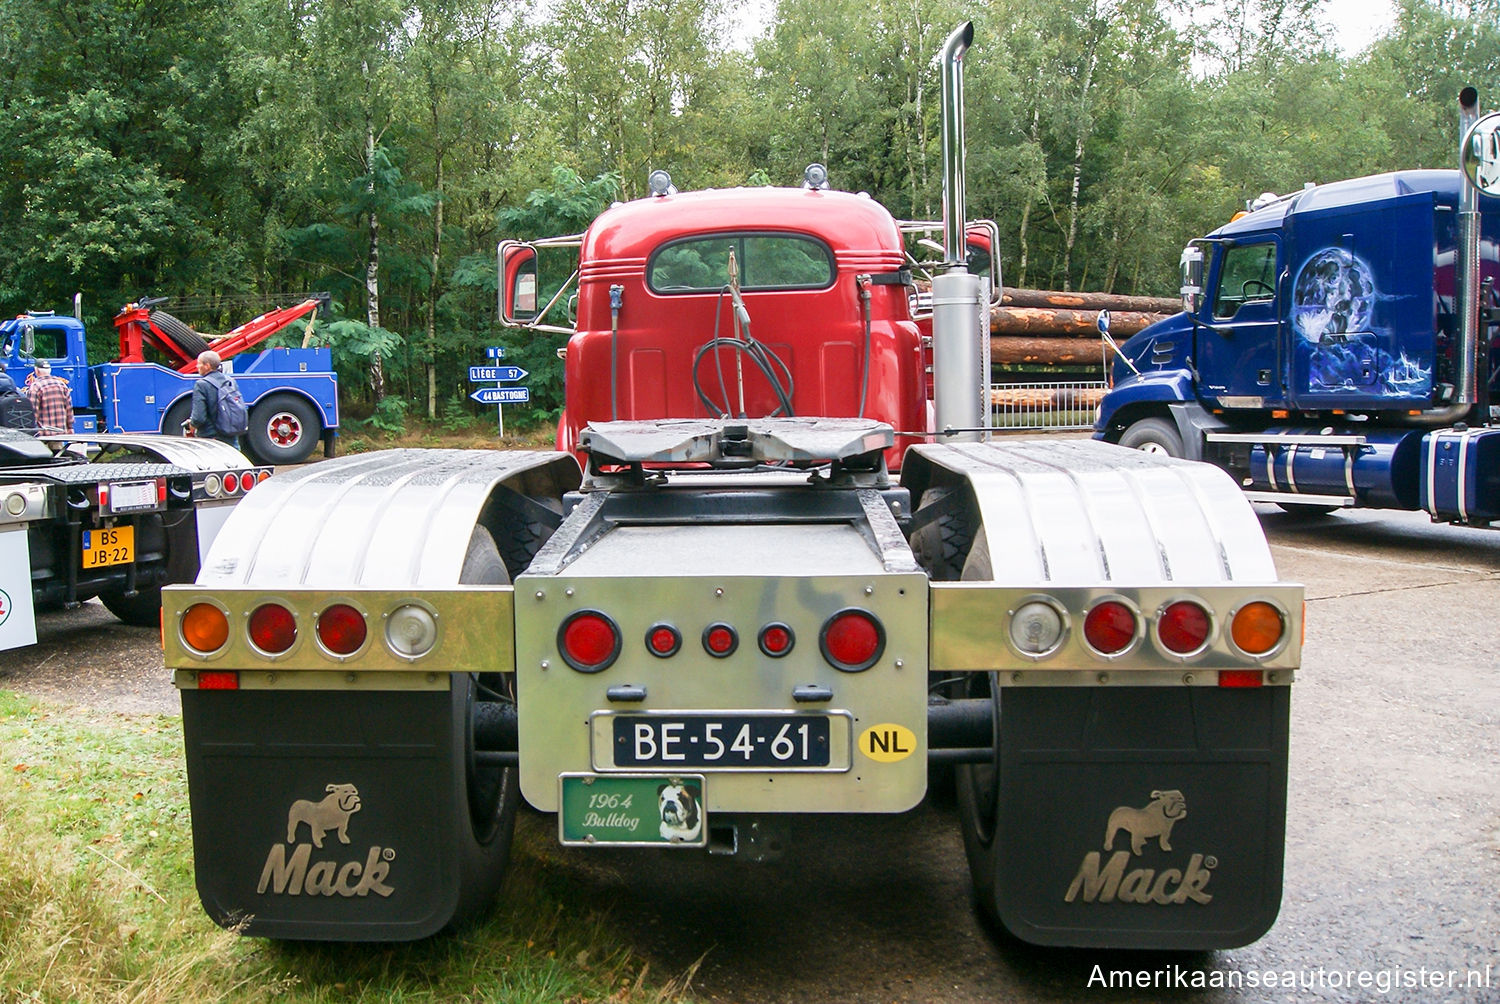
470 435
97 900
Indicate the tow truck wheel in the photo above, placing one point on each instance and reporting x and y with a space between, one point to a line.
978 790
171 422
1154 435
141 610
493 792
284 429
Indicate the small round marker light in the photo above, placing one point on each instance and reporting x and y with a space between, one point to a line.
231 484
410 631
663 640
1036 628
776 640
720 640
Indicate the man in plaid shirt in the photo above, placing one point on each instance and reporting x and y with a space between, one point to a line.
51 398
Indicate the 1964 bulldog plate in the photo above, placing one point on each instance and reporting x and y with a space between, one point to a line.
632 810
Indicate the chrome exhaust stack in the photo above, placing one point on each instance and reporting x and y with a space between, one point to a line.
960 342
1466 281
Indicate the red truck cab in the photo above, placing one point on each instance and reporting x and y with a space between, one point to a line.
825 282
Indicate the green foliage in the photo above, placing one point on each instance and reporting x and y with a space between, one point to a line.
389 416
379 149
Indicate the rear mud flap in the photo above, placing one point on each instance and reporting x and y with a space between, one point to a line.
327 815
1140 817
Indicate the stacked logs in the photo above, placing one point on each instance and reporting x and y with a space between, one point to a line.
1058 329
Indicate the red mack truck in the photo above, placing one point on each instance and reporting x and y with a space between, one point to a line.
766 572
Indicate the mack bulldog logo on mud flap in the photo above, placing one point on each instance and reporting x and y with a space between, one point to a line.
299 873
1100 882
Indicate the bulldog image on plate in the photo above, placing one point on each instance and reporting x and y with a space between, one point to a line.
677 804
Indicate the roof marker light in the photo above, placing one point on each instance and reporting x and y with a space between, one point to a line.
660 183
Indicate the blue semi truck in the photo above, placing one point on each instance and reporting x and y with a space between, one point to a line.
291 393
1337 346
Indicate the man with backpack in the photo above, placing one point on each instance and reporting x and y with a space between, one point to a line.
218 406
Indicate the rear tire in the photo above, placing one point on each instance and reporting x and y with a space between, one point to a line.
1304 509
141 610
493 793
942 545
171 422
284 429
978 794
1154 435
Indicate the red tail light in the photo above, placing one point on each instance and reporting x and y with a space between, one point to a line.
161 490
776 640
720 640
589 641
852 640
1241 678
1110 627
1183 627
231 484
273 629
663 640
341 628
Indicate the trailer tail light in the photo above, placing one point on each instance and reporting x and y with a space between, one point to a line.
341 629
218 679
589 641
776 640
1183 627
1241 678
273 628
247 481
231 484
262 476
663 640
161 491
410 631
852 640
720 640
104 498
1110 627
1257 628
211 486
205 628
1037 628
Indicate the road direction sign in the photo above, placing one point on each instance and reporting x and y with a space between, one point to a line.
496 374
495 352
502 395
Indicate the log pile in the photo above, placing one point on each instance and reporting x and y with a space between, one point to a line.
1058 329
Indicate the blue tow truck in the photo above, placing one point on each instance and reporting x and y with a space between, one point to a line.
291 393
1338 345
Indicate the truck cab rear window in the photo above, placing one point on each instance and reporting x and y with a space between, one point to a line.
1248 274
765 261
